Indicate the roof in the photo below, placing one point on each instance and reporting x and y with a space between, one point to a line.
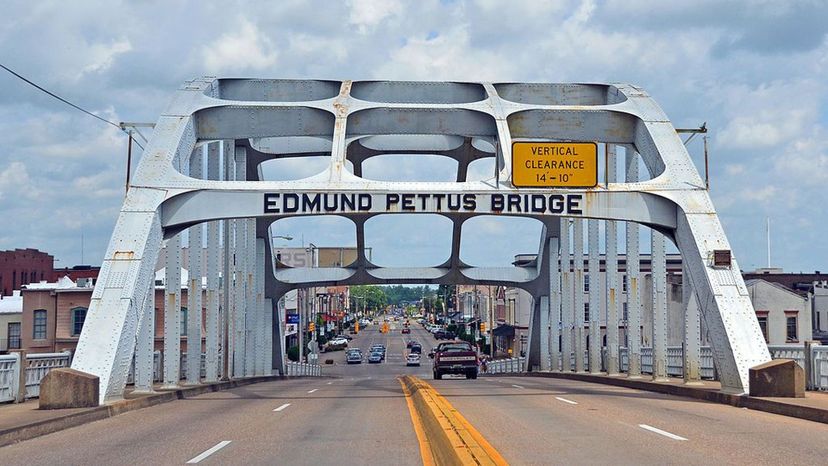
63 283
160 277
12 304
778 286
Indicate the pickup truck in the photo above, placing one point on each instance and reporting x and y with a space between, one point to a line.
455 357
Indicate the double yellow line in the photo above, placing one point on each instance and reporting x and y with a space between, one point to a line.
445 436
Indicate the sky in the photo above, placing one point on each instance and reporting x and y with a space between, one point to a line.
754 70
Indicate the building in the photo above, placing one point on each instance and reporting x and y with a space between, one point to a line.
20 267
813 286
784 315
53 313
11 317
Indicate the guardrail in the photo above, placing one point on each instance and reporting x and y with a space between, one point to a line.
36 366
506 366
302 369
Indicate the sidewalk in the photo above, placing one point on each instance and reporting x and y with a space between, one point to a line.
23 421
814 407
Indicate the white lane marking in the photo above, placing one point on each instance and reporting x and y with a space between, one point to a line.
282 407
661 432
311 391
517 386
566 401
209 452
330 383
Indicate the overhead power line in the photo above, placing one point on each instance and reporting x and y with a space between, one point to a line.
77 107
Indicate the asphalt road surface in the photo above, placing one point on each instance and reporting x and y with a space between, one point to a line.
359 415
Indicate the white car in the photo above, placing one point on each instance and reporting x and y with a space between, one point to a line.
339 341
413 359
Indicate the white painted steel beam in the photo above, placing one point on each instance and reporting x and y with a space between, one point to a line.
659 299
145 343
578 292
613 298
567 300
595 290
172 313
194 287
691 353
633 278
239 277
214 266
554 302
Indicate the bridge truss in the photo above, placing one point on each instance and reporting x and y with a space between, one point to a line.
201 172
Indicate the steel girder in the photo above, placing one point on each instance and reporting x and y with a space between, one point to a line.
351 121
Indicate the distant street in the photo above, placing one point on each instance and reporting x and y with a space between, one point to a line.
360 416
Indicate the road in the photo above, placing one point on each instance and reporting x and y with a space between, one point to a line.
359 415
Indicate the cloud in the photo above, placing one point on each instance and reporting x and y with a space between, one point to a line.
247 48
102 56
367 14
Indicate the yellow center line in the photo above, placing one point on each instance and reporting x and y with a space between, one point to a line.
425 446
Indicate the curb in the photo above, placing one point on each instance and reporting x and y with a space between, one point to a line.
738 401
48 426
449 437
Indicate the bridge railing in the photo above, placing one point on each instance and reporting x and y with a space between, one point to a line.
506 366
302 369
34 367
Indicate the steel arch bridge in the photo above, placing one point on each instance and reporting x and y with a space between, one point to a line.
201 172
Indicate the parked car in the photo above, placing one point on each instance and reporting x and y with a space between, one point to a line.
337 344
444 335
413 359
347 337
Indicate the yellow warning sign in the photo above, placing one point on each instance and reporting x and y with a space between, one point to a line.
555 164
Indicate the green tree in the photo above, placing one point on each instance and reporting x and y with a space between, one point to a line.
374 297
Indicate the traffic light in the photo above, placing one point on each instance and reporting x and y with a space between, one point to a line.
312 327
482 326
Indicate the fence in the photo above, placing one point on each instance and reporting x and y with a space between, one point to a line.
506 366
303 369
36 366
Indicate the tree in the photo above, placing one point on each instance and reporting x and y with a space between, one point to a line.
374 296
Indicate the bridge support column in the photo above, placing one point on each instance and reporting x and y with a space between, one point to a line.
212 333
578 292
239 275
259 329
613 297
659 278
543 308
691 353
172 313
250 308
554 303
633 279
566 297
595 288
145 343
194 307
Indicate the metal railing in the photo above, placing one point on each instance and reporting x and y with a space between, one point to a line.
506 366
302 369
9 376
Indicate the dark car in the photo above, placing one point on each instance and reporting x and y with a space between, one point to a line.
444 335
375 358
456 357
410 343
416 348
406 330
353 357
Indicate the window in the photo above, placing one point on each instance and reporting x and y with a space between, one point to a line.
763 324
14 335
183 321
624 283
78 317
39 328
586 283
791 327
586 312
624 314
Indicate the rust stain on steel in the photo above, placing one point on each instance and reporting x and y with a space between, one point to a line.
124 255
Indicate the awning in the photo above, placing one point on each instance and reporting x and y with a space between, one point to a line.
504 331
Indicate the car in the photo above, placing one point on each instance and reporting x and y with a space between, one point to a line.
347 337
410 343
335 345
444 335
375 358
406 330
455 357
413 359
353 357
416 349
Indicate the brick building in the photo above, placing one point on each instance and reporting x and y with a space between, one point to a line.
20 267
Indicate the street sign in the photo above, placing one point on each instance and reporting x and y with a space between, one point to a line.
555 164
292 318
